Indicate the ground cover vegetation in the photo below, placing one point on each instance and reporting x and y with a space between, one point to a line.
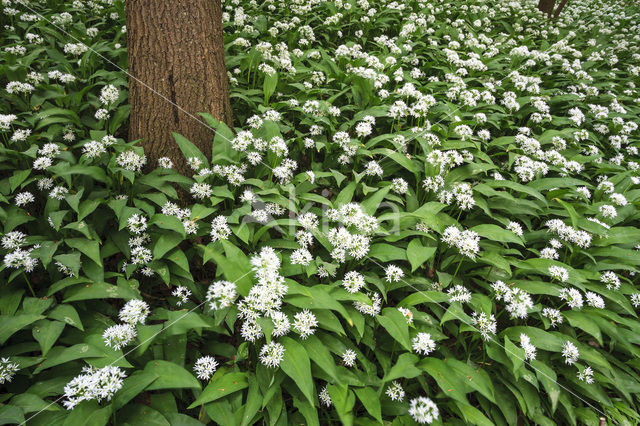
426 211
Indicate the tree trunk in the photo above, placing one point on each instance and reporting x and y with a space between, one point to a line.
559 9
546 6
177 68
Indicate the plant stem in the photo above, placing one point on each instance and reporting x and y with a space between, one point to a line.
456 273
29 284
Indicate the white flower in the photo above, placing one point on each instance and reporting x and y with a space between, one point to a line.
466 241
141 255
594 300
559 273
182 293
165 163
219 229
324 396
130 160
515 227
8 369
529 349
353 281
611 280
572 296
393 274
486 324
399 185
304 323
459 293
608 211
134 311
395 391
137 224
13 240
221 294
423 344
205 367
95 384
119 336
370 309
109 94
24 198
201 190
586 375
349 357
554 316
423 410
301 257
570 352
271 354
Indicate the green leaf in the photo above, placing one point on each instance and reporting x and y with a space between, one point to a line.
71 261
404 367
89 248
452 385
371 402
320 355
269 86
132 386
66 314
296 365
220 386
170 376
171 223
188 149
418 254
396 325
343 400
10 324
497 233
167 242
386 252
100 290
46 333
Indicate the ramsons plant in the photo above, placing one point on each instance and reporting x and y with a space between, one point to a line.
428 213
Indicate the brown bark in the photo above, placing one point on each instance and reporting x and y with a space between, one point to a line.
546 6
177 69
559 9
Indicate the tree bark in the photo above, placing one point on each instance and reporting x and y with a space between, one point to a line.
546 6
177 69
561 6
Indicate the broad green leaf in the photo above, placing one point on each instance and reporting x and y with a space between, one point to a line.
10 324
296 365
497 233
133 386
89 248
396 325
170 376
46 333
371 402
189 150
220 386
418 254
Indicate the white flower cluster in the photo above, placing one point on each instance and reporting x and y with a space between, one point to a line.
486 324
8 369
567 233
205 367
221 294
120 335
95 384
467 241
423 410
518 302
